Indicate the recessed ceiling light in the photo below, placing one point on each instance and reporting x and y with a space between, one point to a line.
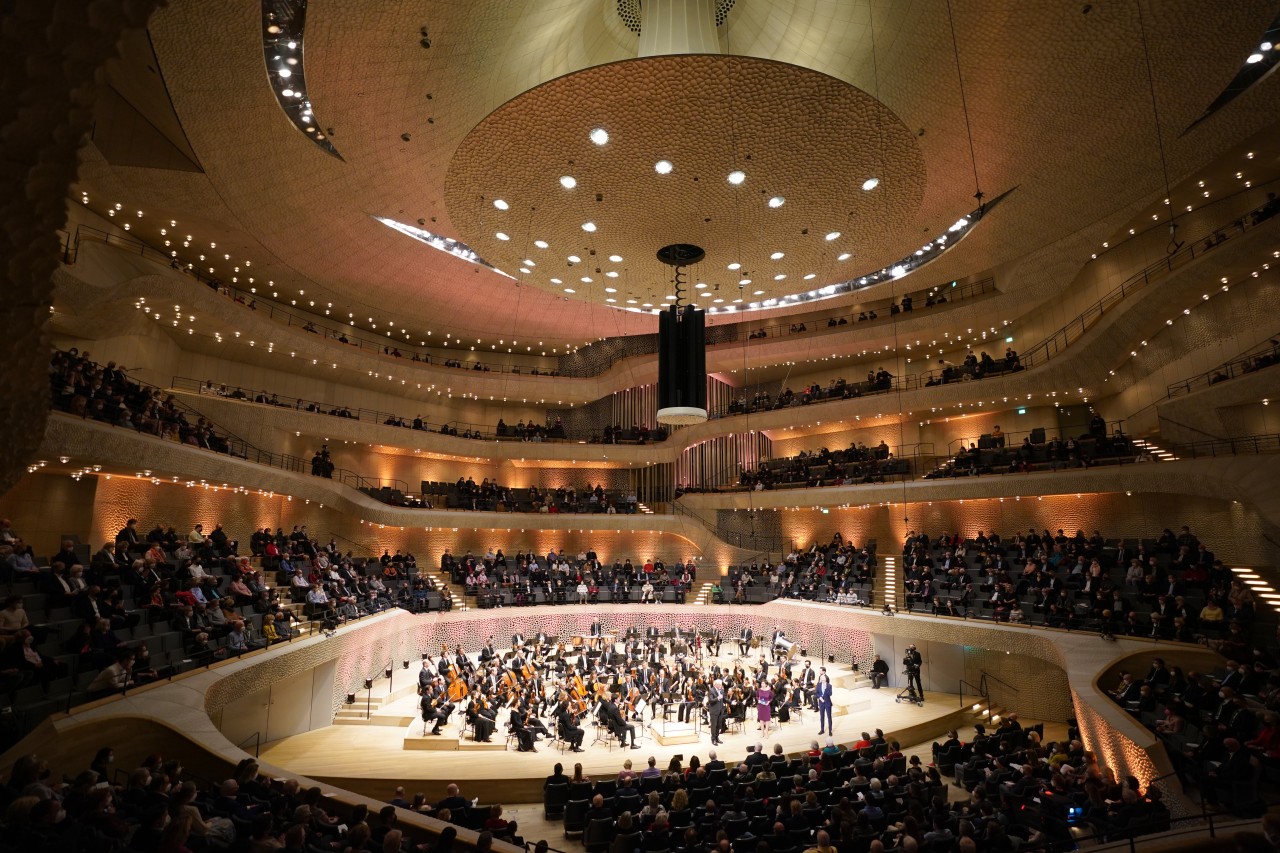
586 279
570 290
611 290
663 167
777 256
870 183
717 300
556 281
612 273
525 270
501 236
500 204
744 281
810 276
610 299
737 176
777 201
541 244
1253 59
529 263
700 285
568 181
758 293
588 226
735 266
573 259
617 259
599 136
844 256
780 276
833 235
669 298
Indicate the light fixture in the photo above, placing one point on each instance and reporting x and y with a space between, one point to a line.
777 201
500 204
617 259
833 235
663 167
568 181
737 176
869 184
1254 58
600 136
541 244
777 256
501 236
844 256
589 227
735 266
574 259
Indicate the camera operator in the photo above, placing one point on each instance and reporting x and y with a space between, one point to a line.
911 662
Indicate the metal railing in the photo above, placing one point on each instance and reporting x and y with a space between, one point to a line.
748 541
1043 351
1260 356
1246 444
395 351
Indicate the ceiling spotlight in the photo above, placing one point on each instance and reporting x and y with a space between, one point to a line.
1254 58
844 256
833 235
599 136
500 204
737 176
777 256
573 259
617 259
663 167
501 236
588 227
611 290
568 181
735 266
870 183
286 73
541 244
777 201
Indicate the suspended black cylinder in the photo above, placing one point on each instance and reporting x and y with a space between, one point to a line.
682 366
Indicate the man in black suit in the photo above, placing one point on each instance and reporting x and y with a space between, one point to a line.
453 801
756 758
713 763
612 718
570 731
744 641
715 710
524 735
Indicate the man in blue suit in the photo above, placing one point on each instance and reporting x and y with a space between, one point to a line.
822 695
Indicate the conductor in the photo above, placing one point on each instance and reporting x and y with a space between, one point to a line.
715 710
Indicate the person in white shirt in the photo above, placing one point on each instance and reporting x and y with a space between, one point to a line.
115 677
582 592
646 592
196 536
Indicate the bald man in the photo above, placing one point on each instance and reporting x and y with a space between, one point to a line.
715 710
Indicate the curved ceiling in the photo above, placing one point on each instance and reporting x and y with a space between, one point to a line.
1057 99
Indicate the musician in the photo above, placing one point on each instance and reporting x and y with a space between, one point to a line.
808 680
782 699
567 724
713 642
612 718
822 697
716 710
744 641
425 676
433 712
693 691
524 735
488 653
483 716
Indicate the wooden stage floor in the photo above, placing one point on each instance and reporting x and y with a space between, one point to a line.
373 757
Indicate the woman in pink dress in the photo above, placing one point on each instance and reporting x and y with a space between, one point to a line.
764 706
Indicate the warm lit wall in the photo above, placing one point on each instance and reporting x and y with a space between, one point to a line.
45 506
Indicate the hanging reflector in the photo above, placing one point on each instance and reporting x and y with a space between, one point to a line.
682 366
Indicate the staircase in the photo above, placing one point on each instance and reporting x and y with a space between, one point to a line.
1159 453
703 595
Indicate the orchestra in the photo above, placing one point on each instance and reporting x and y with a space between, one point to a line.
621 685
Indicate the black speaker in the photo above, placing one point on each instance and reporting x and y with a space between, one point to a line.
682 366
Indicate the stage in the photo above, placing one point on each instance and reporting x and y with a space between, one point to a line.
378 743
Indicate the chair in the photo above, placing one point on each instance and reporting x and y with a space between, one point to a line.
575 817
581 790
598 835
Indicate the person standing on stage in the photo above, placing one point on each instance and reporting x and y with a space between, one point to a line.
822 695
715 710
764 706
913 662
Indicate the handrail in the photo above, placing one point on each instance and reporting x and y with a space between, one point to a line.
485 432
1256 358
1010 443
986 675
974 690
388 347
758 542
1265 443
256 737
1043 351
1164 418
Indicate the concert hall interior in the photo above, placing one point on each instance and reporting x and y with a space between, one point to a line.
409 395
